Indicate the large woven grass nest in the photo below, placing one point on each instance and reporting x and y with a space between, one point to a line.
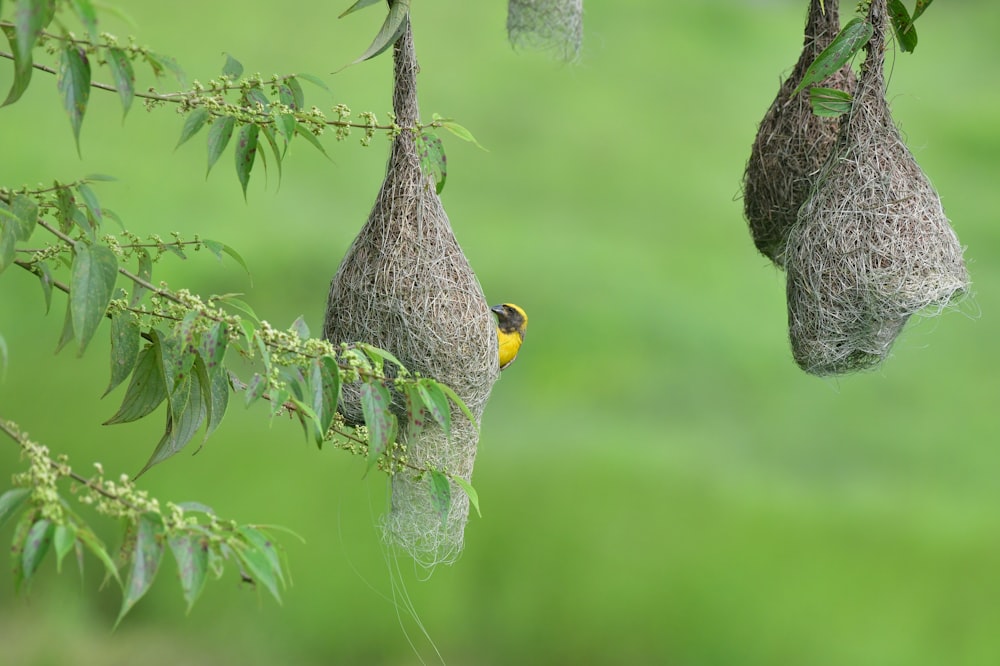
792 142
405 286
871 246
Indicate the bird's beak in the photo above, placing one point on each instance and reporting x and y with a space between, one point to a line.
497 308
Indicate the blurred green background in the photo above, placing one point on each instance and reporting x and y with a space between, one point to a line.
659 483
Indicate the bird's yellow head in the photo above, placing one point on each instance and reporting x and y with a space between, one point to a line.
512 323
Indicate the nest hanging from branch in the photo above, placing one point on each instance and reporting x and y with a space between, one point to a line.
792 143
405 286
872 245
547 24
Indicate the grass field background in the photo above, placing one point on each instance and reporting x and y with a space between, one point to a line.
659 483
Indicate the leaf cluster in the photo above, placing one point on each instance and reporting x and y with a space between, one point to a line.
849 41
201 543
173 348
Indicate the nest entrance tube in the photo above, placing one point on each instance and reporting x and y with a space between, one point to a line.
792 142
871 246
405 286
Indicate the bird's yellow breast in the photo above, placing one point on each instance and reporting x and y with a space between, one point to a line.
509 344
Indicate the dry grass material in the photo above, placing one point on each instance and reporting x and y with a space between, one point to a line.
792 143
555 25
405 286
872 245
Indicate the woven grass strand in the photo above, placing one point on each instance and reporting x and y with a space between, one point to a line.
872 245
555 25
792 142
405 286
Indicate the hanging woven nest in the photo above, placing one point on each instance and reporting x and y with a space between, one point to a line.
792 142
405 286
555 25
872 245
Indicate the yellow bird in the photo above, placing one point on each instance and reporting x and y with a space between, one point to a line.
512 323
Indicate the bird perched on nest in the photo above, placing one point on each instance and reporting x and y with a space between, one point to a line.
512 323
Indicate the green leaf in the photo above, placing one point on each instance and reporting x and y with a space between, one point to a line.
255 389
215 392
192 124
919 8
261 542
25 211
378 418
470 491
67 330
35 547
219 134
269 135
257 566
186 349
187 412
379 355
124 77
433 162
91 203
30 18
22 67
146 390
91 287
11 501
8 241
416 412
829 102
290 93
285 124
254 96
360 4
66 206
392 28
233 67
64 539
191 554
145 560
145 272
99 177
300 328
125 342
906 33
437 403
315 80
242 306
213 345
85 11
448 391
460 132
160 63
94 545
218 249
246 151
304 132
328 388
19 543
45 279
74 84
440 494
852 37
